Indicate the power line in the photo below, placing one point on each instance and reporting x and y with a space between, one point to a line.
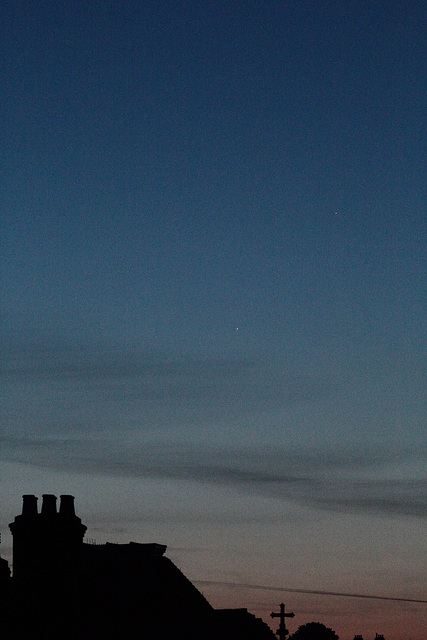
311 591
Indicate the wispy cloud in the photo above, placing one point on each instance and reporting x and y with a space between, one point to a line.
128 414
69 389
161 376
332 482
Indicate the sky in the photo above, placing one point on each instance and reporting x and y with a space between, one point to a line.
212 292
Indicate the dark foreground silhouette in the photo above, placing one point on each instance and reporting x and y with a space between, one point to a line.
314 631
65 589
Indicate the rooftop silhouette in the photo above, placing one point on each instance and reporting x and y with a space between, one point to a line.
62 587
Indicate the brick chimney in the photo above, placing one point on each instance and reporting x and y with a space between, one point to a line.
43 542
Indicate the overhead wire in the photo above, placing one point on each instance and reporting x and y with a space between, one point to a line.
309 591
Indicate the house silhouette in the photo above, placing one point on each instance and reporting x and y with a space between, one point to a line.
63 588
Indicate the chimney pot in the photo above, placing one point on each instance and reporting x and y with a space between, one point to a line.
66 506
48 505
29 505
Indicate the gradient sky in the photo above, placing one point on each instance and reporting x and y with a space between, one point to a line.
212 276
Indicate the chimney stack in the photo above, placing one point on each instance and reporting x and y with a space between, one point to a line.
66 506
48 505
29 506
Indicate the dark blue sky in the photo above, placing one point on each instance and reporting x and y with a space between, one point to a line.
213 230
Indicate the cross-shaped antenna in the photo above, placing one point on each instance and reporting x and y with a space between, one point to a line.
282 631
